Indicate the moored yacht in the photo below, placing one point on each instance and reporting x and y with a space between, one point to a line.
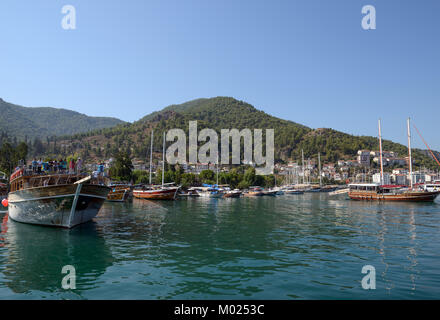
162 192
60 200
379 191
375 191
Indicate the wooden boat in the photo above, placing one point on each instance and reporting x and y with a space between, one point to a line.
233 194
379 191
254 192
156 193
118 192
60 200
162 192
373 191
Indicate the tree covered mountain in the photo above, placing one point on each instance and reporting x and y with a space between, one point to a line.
21 122
222 113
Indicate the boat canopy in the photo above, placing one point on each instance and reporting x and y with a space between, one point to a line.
364 185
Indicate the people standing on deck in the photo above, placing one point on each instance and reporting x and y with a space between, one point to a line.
34 165
39 164
101 169
72 166
64 165
78 165
45 166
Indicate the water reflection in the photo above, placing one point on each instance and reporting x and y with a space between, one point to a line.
33 256
293 246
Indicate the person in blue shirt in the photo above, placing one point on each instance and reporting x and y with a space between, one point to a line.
34 165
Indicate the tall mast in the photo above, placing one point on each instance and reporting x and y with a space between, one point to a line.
380 152
302 162
151 153
217 168
163 159
409 154
319 164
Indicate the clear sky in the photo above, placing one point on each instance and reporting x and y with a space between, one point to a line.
304 60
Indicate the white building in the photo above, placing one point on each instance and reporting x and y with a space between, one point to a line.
363 157
399 179
386 178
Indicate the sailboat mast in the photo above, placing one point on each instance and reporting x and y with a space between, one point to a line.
217 168
409 154
163 160
380 152
151 153
302 162
319 164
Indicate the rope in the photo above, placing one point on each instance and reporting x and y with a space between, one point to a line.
435 158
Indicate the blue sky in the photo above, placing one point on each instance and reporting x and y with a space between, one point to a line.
308 61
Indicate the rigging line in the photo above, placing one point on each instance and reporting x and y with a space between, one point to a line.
435 158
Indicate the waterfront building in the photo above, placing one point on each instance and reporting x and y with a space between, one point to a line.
363 157
400 171
399 179
386 178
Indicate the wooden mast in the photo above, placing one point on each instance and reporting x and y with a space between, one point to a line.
319 163
163 160
151 152
381 159
217 168
409 154
302 162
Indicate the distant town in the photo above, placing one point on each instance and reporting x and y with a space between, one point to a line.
365 168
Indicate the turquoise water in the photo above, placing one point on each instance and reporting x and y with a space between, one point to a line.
288 247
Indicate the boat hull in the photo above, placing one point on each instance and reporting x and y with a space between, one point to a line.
58 205
118 195
168 194
293 192
232 195
409 196
210 195
254 194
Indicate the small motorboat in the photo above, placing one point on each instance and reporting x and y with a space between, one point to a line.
236 193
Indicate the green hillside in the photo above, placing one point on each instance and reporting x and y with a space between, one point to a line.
21 122
224 113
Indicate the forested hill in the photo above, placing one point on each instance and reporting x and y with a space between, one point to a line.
223 113
20 122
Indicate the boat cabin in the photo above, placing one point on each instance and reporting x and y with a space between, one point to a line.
25 179
364 187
